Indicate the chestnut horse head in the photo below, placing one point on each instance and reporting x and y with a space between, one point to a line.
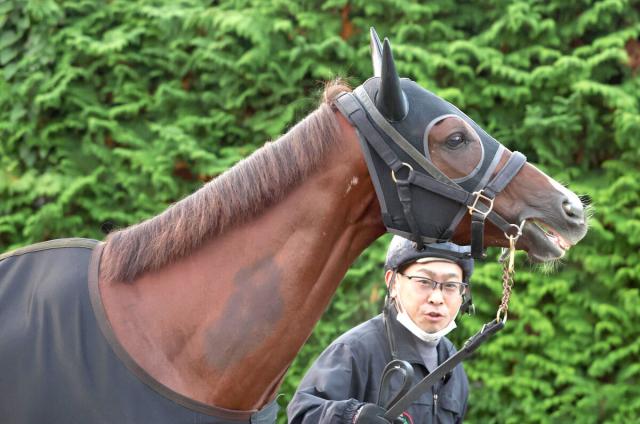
214 297
431 164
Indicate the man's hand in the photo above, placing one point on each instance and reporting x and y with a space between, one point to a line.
371 413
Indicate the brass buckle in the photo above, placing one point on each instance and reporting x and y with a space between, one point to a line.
473 207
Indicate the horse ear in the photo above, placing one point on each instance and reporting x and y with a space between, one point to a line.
376 52
391 100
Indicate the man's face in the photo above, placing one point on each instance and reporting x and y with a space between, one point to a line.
431 309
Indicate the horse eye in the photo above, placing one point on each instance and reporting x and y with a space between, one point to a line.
456 140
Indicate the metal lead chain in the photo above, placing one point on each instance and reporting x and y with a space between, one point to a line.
508 270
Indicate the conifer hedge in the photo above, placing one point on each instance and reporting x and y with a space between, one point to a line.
109 111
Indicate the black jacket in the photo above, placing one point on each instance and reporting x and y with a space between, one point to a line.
348 373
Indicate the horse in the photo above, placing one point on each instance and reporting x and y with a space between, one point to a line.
195 314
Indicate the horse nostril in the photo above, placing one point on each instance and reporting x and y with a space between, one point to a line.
568 209
573 210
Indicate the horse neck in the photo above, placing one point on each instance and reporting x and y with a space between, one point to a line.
223 324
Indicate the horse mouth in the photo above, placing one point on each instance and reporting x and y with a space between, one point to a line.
544 242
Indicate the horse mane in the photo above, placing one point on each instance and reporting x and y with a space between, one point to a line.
234 197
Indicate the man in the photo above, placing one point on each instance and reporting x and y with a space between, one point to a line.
426 290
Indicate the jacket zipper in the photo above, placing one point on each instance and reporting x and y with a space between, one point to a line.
435 408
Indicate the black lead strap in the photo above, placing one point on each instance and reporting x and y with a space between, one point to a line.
425 384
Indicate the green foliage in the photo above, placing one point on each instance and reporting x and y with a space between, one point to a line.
109 111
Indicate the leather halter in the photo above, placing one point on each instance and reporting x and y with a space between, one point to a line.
358 108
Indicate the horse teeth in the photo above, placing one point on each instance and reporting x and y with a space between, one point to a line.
543 227
553 235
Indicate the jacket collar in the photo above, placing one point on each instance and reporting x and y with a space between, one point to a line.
407 343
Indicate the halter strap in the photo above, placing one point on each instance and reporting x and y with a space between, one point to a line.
353 111
515 162
400 141
505 175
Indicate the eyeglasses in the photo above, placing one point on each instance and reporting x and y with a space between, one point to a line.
427 285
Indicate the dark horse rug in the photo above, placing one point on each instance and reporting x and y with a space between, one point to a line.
59 359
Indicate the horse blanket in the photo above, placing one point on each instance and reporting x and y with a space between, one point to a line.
59 359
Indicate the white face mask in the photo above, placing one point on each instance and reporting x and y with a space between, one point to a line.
406 321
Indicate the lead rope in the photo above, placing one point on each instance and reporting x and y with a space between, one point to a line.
508 271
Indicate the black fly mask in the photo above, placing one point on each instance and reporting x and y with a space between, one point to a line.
394 119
